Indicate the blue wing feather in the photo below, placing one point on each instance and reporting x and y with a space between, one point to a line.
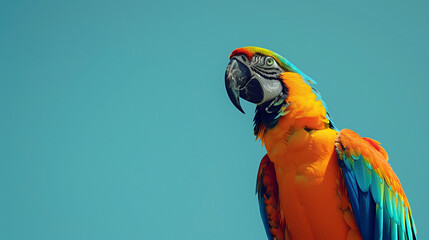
378 210
362 204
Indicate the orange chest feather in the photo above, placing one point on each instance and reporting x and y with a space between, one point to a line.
302 153
308 178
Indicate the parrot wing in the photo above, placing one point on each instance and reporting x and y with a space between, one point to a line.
379 204
268 196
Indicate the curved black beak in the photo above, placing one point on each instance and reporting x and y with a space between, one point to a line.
236 76
241 82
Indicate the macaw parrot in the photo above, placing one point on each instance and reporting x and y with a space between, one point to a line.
315 182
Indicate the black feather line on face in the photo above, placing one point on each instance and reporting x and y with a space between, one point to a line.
267 118
272 72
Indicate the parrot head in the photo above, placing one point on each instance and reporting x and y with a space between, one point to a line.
275 85
253 76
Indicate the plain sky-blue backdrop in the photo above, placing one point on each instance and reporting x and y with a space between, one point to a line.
115 124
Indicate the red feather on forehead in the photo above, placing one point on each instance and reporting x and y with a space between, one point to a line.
245 51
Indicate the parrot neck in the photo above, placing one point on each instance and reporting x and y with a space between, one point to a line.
302 109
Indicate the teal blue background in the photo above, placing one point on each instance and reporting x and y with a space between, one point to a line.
115 124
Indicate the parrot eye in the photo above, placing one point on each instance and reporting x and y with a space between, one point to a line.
269 61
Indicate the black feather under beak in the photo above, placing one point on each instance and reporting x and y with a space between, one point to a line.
240 81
